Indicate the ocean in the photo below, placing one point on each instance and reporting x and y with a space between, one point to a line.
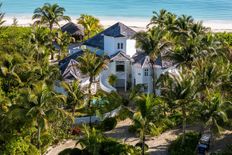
139 9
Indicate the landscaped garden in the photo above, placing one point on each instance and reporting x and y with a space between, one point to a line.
34 117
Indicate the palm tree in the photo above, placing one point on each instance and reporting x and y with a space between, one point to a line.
162 19
90 64
144 115
75 96
209 76
213 110
182 89
1 16
91 25
91 141
49 15
42 104
153 43
182 27
63 40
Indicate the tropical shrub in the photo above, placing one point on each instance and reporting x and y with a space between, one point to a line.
188 147
17 145
109 124
71 151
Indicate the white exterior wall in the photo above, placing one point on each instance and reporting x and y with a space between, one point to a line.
130 47
148 80
138 74
111 45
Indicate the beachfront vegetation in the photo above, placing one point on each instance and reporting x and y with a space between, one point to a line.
1 16
33 116
91 25
49 15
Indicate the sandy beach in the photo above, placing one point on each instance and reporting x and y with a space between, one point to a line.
135 23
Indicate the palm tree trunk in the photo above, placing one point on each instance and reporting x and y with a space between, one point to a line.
73 111
143 143
39 130
89 101
183 123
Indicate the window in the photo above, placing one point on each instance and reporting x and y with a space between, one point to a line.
120 46
146 72
120 67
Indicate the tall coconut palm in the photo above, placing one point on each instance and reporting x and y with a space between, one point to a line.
144 115
181 28
183 90
1 16
63 40
49 15
42 104
91 25
162 19
90 64
153 43
91 140
213 110
75 96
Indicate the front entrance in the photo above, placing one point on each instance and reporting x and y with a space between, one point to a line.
120 83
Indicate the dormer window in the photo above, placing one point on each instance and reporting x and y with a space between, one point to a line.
120 46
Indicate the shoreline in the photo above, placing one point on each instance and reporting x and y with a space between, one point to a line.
138 24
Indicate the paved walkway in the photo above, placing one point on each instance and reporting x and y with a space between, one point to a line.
157 145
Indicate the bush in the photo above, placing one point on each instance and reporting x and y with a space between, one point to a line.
70 151
124 113
188 147
139 144
17 146
109 124
112 147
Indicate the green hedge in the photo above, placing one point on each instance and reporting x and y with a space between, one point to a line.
188 147
107 124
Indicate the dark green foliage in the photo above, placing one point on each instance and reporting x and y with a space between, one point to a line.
140 146
109 124
18 145
108 146
71 151
188 147
227 37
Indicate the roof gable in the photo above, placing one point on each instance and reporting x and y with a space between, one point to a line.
117 30
119 56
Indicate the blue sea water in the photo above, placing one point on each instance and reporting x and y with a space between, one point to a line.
199 9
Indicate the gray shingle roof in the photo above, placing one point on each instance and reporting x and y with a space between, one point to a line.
64 63
140 59
117 30
73 29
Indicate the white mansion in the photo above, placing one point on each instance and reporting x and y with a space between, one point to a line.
126 62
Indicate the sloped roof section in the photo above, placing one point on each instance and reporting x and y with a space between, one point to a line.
117 30
71 71
73 29
141 59
120 56
64 63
